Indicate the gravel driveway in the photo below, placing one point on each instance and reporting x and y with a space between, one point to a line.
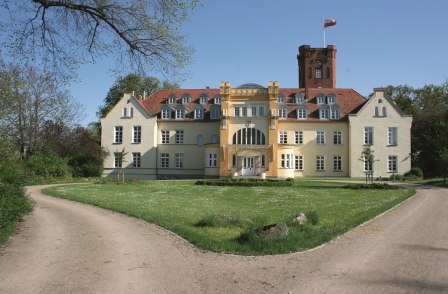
68 247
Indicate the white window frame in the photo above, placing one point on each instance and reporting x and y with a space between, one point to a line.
392 163
261 111
199 113
203 99
186 99
320 137
212 159
136 159
298 137
172 99
218 100
118 134
179 160
301 113
166 113
179 137
368 135
392 136
283 137
180 113
136 134
320 162
298 162
282 113
165 136
164 160
237 111
324 113
287 160
118 159
368 166
320 99
318 73
337 137
331 99
254 111
334 113
337 163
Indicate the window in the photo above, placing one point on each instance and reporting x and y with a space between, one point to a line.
376 111
392 136
298 162
214 139
199 113
331 99
320 100
263 160
212 160
320 137
118 135
337 137
318 73
286 160
233 160
125 112
172 99
254 111
301 113
137 134
203 99
368 136
324 113
392 164
131 112
179 137
166 113
368 164
214 114
249 136
136 159
282 113
298 137
337 163
283 137
320 162
244 110
261 111
186 99
165 136
237 111
180 113
217 100
179 160
334 113
118 159
164 160
200 140
281 98
299 98
384 111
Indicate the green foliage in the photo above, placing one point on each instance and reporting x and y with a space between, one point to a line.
313 217
223 220
241 182
373 186
415 172
48 165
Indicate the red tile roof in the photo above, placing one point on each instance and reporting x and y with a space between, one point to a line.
348 100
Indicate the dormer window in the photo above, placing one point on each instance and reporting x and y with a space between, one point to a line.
302 113
324 112
203 99
331 99
299 98
186 99
217 99
334 113
172 99
166 113
282 113
320 99
199 112
180 113
281 98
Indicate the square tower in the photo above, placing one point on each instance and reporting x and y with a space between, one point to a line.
317 67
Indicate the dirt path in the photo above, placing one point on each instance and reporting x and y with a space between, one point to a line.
69 247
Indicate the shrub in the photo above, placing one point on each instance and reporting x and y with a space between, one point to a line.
313 217
415 172
48 165
223 220
246 182
373 186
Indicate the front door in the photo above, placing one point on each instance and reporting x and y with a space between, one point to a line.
248 166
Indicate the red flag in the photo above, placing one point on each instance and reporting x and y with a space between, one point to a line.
329 23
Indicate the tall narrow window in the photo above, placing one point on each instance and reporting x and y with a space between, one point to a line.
237 111
298 137
287 160
282 113
368 164
337 137
180 113
320 163
368 136
337 163
261 111
199 112
392 136
320 137
164 160
136 159
318 73
384 111
334 112
179 138
137 134
212 160
179 160
301 113
217 100
118 135
283 137
166 113
165 136
254 111
298 162
392 164
118 159
263 160
233 160
214 114
244 110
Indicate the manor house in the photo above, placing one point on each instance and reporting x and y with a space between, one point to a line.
259 130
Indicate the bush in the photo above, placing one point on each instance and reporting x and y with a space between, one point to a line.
313 217
374 186
415 172
48 165
223 220
246 182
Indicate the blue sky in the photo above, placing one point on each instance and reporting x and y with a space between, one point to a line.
379 42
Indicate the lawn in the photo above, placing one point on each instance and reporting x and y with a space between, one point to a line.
180 206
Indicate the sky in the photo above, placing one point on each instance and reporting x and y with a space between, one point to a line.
379 43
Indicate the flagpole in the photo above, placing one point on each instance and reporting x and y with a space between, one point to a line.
324 36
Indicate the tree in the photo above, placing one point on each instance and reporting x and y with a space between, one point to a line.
30 98
132 83
140 34
368 158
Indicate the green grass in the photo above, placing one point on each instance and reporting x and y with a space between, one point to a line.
196 212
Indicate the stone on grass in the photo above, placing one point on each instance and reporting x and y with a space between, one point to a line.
273 231
300 218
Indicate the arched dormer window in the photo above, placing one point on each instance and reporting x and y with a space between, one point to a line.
320 99
324 112
299 98
172 99
217 99
180 112
165 112
249 136
282 113
186 99
281 98
331 99
203 99
199 112
302 112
